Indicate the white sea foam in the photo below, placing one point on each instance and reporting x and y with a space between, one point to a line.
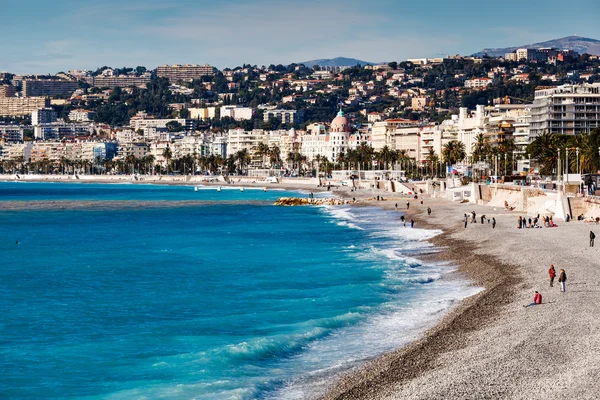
419 296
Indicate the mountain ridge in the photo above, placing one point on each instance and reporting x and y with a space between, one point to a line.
336 62
579 44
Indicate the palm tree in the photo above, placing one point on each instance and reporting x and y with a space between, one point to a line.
274 156
453 152
262 150
385 156
130 160
432 159
243 159
167 155
545 150
481 147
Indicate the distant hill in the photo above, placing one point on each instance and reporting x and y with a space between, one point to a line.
576 43
336 62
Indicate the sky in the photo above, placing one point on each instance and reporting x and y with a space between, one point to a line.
42 36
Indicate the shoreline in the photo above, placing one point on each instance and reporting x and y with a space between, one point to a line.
378 377
489 345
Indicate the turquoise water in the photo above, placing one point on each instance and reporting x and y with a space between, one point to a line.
215 301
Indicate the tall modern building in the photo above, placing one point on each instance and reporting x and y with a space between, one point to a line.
566 110
19 107
48 87
7 91
186 72
43 116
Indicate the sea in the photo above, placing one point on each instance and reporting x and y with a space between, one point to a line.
128 291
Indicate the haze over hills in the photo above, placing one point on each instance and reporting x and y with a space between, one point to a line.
336 62
576 43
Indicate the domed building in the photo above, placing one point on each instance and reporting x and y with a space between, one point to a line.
339 123
328 143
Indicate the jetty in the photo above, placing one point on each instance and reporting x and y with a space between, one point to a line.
299 201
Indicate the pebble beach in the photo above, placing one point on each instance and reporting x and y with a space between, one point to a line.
490 346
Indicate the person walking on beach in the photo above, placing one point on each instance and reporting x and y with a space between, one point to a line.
592 237
552 274
562 279
520 223
466 220
407 204
493 222
537 299
396 205
412 223
428 210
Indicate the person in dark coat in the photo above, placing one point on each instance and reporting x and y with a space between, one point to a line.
562 279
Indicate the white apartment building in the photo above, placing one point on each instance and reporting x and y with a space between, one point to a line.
142 123
478 83
237 113
566 110
239 139
382 132
531 55
81 115
193 145
469 126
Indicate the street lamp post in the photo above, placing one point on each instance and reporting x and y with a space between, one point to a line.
567 163
505 157
577 152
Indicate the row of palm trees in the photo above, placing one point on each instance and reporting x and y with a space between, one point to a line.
581 151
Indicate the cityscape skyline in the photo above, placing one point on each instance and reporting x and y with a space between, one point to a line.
267 32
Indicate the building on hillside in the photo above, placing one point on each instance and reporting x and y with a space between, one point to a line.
203 113
530 55
43 116
7 91
11 133
61 130
237 113
48 87
122 81
289 117
81 115
185 73
566 110
478 83
21 106
142 123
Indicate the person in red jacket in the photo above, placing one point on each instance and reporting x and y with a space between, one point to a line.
552 273
537 299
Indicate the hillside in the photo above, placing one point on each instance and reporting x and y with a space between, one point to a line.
576 43
335 62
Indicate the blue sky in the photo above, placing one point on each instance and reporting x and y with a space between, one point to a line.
42 36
